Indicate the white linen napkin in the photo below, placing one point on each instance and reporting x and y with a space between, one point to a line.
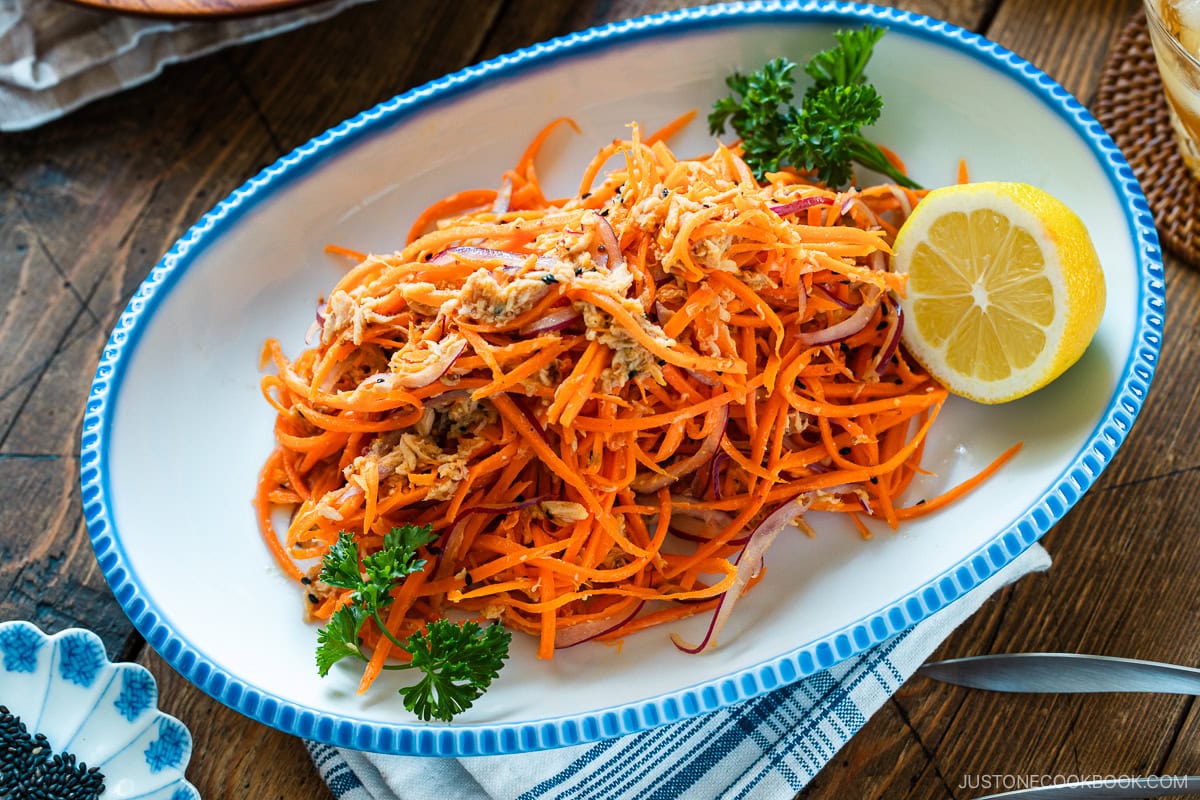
765 748
55 57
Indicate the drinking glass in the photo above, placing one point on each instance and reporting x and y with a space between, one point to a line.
1175 33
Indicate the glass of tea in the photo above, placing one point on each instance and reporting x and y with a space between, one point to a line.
1175 33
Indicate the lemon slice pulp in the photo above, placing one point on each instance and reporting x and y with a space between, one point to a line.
1005 290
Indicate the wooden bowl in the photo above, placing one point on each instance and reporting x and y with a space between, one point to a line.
193 9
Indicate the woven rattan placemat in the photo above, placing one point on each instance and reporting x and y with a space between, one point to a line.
1131 106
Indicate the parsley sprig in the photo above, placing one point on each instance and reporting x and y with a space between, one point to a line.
823 135
459 660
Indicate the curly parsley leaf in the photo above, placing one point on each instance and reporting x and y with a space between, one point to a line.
828 143
763 94
393 562
846 64
459 662
371 587
338 639
823 136
339 567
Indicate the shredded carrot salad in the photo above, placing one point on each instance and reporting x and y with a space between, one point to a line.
599 401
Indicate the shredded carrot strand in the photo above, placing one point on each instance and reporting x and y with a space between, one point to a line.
581 376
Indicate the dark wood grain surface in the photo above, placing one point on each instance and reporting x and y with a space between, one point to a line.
88 204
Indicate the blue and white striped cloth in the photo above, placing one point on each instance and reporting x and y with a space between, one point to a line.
762 749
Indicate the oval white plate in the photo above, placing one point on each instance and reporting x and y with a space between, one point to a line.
105 714
175 428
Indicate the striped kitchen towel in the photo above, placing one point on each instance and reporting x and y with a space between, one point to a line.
768 747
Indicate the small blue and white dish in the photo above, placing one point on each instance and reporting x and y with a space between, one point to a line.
76 725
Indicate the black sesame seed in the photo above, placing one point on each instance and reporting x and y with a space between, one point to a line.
29 768
306 581
312 598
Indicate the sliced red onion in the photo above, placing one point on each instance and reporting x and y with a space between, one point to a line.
452 254
714 473
872 221
872 217
694 529
662 314
444 399
801 204
318 323
833 298
503 198
502 508
749 563
713 518
893 342
554 321
700 377
902 197
450 543
701 529
586 631
608 237
652 482
507 259
314 330
335 374
847 327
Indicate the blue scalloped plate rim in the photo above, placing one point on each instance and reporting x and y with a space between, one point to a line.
490 739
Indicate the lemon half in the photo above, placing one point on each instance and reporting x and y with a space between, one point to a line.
1005 289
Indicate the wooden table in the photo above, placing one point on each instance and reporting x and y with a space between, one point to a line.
89 203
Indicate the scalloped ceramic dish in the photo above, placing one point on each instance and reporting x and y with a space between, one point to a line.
105 714
176 429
